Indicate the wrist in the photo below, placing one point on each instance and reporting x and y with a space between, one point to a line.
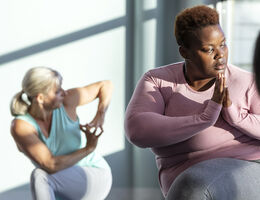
89 149
227 104
101 111
217 100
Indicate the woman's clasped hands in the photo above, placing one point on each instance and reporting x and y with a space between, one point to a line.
221 93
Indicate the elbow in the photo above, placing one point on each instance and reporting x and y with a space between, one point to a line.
105 90
50 166
133 138
108 84
134 133
51 170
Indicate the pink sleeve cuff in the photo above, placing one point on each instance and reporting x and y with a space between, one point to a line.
212 110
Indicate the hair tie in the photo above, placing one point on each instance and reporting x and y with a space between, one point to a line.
25 98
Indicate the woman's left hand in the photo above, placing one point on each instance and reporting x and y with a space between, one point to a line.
97 122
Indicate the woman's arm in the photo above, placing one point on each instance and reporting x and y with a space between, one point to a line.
147 126
28 142
84 95
246 119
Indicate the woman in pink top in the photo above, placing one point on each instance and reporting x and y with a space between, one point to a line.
200 117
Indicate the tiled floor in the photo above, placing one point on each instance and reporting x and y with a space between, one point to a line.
23 193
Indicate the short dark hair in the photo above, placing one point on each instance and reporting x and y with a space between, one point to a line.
191 19
256 62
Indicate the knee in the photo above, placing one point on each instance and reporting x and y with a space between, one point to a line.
38 174
189 181
188 186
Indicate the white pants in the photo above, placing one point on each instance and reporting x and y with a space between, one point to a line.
74 183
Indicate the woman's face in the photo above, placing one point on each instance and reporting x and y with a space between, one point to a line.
208 53
54 98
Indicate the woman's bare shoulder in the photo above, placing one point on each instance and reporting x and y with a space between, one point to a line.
21 127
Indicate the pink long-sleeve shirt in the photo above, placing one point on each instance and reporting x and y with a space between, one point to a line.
183 126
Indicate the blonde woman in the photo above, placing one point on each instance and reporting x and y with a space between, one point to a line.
46 129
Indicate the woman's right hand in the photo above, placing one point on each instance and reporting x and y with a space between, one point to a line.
219 90
92 138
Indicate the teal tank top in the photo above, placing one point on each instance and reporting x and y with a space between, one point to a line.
65 137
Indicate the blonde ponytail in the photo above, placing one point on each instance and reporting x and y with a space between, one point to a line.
18 105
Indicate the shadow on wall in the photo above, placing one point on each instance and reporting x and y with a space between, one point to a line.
62 40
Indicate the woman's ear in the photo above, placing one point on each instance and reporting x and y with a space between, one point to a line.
40 98
184 52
